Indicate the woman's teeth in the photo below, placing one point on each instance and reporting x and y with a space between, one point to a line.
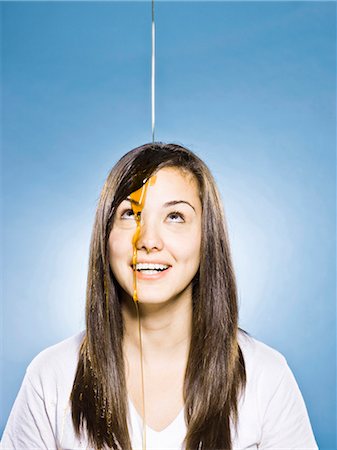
150 269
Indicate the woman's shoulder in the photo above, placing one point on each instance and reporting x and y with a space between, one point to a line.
273 399
261 359
59 360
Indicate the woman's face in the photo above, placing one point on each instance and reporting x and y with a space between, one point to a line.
170 238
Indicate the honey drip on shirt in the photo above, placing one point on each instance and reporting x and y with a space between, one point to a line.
138 202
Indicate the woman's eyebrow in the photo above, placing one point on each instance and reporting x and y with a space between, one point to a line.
167 204
175 202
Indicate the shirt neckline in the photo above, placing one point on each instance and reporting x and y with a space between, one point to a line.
151 430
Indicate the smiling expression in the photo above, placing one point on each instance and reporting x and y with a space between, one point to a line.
168 248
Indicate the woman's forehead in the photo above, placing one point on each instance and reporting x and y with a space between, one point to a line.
170 184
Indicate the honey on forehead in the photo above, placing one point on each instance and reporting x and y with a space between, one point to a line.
138 202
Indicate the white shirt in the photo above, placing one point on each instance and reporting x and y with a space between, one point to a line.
272 413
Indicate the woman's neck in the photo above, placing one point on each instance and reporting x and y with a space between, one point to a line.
165 327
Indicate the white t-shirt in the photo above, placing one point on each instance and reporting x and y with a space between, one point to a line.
272 413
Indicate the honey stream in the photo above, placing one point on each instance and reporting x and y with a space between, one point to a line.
138 202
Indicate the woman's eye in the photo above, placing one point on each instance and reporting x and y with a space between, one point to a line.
176 217
128 214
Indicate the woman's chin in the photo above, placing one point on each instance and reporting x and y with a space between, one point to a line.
146 299
157 298
153 301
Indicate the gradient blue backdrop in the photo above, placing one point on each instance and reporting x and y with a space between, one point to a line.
249 86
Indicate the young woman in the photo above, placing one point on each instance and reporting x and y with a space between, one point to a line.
162 363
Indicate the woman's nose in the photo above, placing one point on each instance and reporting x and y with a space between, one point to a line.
149 238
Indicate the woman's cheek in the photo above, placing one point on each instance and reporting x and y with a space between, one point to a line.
120 241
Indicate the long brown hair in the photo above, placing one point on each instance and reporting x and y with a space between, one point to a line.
215 374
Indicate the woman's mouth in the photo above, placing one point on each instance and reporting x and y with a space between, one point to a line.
151 268
151 271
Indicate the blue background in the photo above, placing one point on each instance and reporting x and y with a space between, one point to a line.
249 86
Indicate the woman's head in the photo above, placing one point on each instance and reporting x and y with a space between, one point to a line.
181 175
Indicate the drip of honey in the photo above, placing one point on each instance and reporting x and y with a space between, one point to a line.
138 202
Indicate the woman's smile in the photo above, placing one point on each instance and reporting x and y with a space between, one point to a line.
152 272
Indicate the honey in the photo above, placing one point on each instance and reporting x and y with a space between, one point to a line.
138 202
